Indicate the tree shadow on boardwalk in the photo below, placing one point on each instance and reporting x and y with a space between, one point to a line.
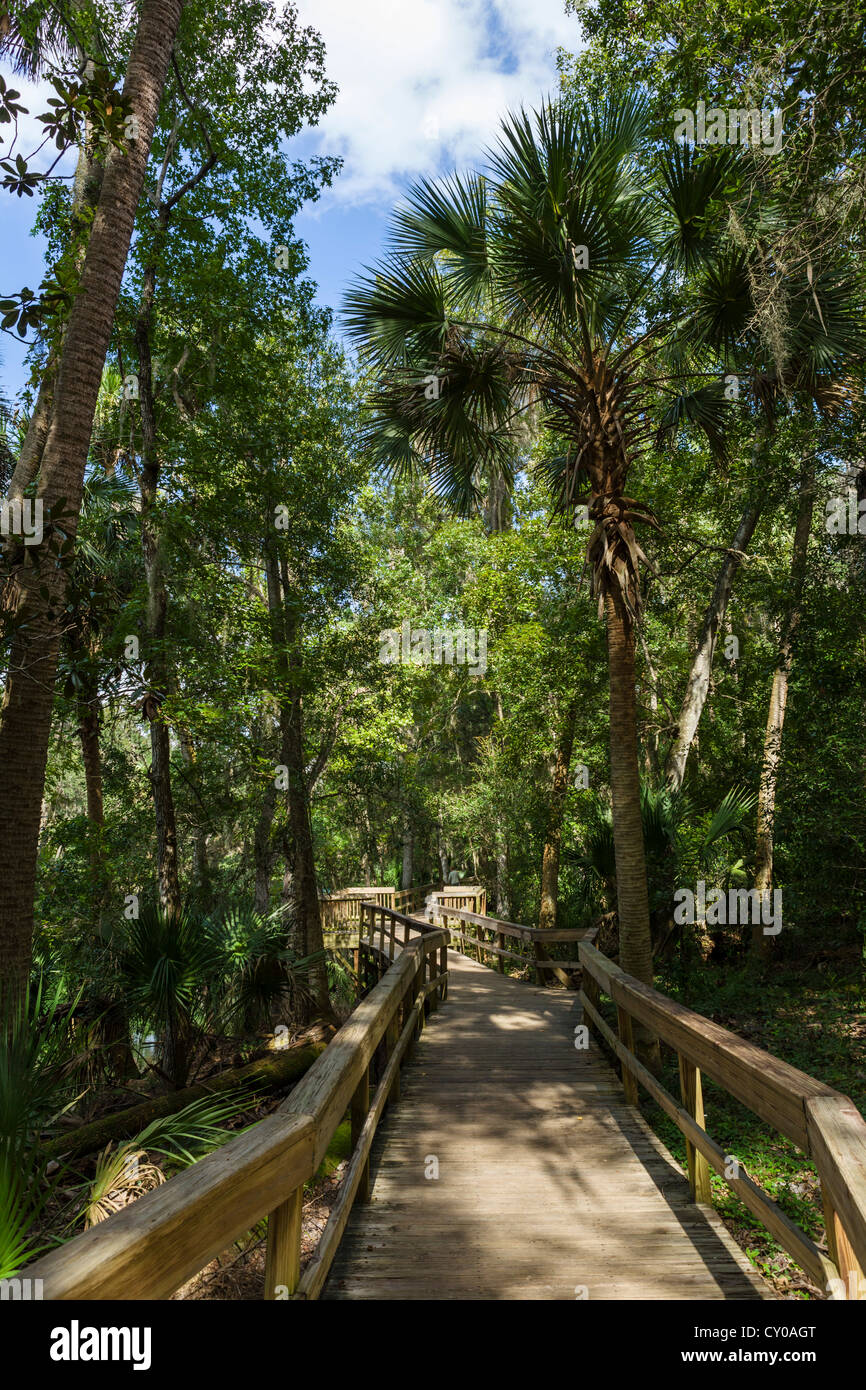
513 1169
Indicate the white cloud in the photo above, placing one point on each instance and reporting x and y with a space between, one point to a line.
423 83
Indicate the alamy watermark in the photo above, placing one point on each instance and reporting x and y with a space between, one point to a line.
846 516
738 906
22 517
434 646
750 126
20 1290
77 1343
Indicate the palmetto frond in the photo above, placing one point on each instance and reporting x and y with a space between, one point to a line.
734 808
449 221
704 407
398 312
567 213
692 182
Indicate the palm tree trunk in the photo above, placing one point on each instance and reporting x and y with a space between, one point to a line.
25 723
635 941
778 704
553 838
85 196
702 665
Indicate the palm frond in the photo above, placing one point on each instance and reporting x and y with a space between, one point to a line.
447 220
692 181
732 810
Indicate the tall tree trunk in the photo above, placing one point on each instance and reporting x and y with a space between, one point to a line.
89 723
369 847
308 916
408 853
157 666
25 726
635 938
443 861
553 838
702 665
761 944
85 196
635 954
651 749
264 850
286 636
503 893
202 863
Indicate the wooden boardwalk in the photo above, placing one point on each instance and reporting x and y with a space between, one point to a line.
549 1185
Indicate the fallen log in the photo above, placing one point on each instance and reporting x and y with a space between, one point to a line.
277 1069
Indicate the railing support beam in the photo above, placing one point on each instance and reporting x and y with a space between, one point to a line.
283 1260
691 1092
358 1114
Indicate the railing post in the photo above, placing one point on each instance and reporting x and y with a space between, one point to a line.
693 1102
593 993
359 1107
408 1005
626 1037
841 1252
283 1259
443 970
392 1034
501 959
417 989
433 997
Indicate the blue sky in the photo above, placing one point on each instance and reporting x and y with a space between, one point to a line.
422 85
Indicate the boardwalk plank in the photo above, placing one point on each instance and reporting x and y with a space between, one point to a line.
549 1183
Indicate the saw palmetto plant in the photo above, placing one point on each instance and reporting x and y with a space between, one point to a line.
127 1171
586 282
36 1064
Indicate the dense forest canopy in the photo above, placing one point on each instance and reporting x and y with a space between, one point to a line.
539 567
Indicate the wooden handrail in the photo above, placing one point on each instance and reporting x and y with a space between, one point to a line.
538 937
823 1123
154 1245
513 928
341 912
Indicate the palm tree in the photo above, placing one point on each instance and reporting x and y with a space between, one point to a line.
542 290
524 292
36 607
34 35
683 842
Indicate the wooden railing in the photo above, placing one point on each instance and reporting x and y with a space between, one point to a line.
154 1245
473 934
341 912
826 1125
471 897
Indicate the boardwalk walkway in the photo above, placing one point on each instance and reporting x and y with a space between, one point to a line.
550 1186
